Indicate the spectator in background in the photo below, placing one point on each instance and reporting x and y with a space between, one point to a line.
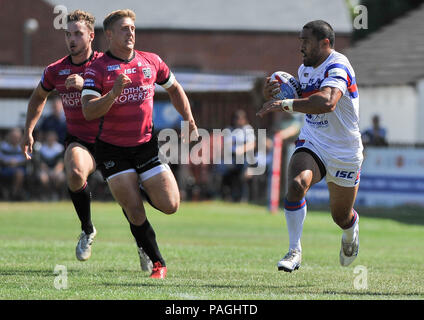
288 126
55 121
51 172
376 135
241 141
12 164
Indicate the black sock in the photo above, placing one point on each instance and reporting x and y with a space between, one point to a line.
82 200
145 237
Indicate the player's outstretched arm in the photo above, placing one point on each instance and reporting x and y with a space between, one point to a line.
94 107
323 101
35 108
182 105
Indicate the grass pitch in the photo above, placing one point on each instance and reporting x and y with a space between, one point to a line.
213 250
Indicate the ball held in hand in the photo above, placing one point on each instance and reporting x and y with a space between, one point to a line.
289 86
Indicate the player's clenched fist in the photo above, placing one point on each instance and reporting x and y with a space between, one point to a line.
120 82
75 81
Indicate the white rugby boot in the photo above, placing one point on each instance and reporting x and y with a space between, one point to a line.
83 249
349 251
145 262
291 261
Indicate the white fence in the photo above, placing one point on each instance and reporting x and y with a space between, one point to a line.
389 177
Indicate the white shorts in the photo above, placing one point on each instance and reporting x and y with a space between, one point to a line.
344 174
146 174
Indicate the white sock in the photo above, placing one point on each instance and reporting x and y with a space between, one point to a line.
295 213
352 230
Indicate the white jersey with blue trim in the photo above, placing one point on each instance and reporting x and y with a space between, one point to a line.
336 132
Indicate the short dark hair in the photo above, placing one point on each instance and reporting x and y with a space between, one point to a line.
79 15
240 113
321 30
112 17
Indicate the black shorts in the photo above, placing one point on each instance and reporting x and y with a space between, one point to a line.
70 139
321 165
113 159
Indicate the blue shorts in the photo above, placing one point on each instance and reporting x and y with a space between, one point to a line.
11 171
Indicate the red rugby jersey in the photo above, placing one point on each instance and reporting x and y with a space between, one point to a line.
54 77
129 121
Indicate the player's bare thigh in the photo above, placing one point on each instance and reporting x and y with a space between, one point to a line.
79 164
163 191
303 172
125 190
342 200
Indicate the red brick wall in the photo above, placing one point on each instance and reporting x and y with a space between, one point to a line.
200 50
48 44
224 51
219 51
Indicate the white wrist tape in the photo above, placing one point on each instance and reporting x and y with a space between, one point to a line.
287 105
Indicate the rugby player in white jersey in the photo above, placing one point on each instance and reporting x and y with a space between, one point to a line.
329 143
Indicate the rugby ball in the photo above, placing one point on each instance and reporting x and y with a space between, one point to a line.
289 86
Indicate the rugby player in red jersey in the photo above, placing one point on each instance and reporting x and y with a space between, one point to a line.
119 89
65 75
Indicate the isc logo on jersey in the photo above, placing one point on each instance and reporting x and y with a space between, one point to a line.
130 71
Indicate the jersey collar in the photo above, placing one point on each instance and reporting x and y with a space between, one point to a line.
84 62
325 61
122 60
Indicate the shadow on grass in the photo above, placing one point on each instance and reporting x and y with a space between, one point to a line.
50 273
407 215
295 289
156 284
373 293
44 273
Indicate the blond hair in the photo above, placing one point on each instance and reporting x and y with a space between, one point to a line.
79 15
114 16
